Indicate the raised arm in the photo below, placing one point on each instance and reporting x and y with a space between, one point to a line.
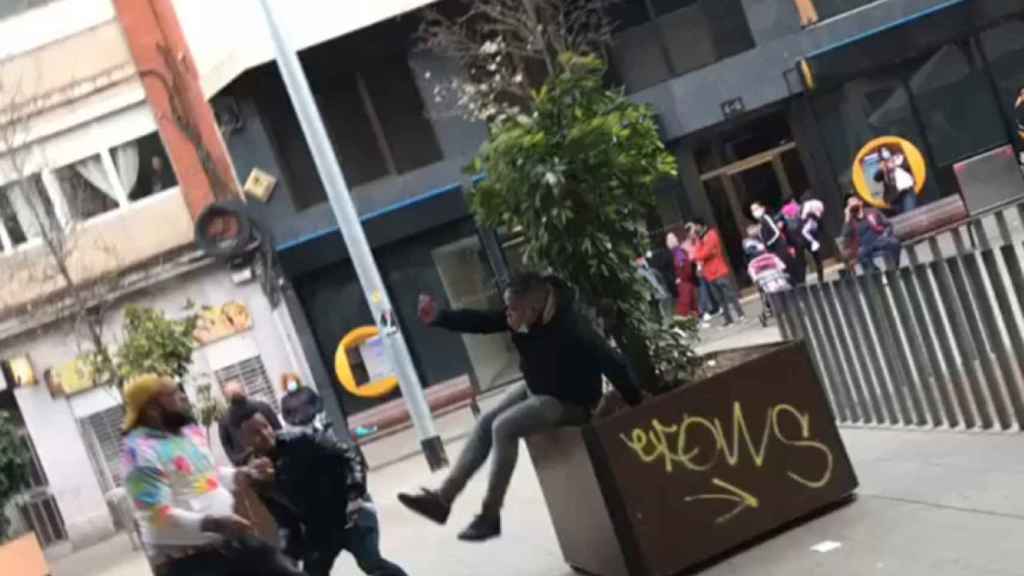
468 321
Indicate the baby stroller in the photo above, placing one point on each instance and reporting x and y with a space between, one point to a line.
768 272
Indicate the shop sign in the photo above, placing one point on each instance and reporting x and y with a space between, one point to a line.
219 322
885 164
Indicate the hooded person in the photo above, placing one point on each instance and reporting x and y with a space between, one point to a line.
563 360
230 436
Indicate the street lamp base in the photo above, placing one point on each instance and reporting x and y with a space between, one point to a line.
433 449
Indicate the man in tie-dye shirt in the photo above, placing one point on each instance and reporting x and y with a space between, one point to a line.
183 501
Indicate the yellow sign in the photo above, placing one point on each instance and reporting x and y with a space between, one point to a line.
220 322
888 163
74 377
343 368
22 371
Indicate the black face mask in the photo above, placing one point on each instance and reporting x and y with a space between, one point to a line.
175 421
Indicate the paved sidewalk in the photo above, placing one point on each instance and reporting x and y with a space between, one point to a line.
931 503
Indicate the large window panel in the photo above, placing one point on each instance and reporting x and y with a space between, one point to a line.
87 188
956 104
861 110
143 167
1004 48
638 58
357 144
396 101
25 212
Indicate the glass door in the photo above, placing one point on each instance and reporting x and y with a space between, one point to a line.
469 283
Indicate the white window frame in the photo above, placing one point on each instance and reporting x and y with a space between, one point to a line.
54 191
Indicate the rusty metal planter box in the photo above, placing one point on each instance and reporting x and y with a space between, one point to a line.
696 472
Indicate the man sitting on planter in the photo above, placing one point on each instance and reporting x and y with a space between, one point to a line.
562 359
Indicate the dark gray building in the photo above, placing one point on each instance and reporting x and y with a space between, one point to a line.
730 80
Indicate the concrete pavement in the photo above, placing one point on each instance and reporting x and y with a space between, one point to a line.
931 503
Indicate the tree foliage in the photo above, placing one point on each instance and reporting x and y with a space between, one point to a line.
576 175
15 461
153 343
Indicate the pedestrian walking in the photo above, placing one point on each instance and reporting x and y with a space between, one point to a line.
707 306
184 505
870 232
661 298
317 495
685 277
812 211
710 254
792 227
563 360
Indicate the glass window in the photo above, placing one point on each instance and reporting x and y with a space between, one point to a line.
860 111
1004 48
955 101
25 209
87 190
397 103
683 36
143 167
628 14
830 8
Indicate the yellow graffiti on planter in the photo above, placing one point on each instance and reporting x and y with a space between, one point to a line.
698 444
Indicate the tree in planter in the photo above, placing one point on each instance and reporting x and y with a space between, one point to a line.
575 174
14 469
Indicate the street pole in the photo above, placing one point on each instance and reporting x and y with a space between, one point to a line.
355 239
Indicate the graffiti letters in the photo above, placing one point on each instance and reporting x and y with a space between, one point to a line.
698 444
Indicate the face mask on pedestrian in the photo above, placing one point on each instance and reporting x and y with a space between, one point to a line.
757 212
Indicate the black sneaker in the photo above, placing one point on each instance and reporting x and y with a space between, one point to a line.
428 504
482 528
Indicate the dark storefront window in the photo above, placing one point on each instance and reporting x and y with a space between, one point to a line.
957 108
659 40
943 103
370 103
1004 48
860 111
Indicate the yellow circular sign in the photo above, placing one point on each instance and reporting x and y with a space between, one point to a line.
889 163
343 369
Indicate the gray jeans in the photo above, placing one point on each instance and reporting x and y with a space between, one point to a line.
518 415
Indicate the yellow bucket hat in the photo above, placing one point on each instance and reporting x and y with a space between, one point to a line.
137 393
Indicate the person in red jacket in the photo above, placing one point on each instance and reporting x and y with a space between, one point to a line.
710 257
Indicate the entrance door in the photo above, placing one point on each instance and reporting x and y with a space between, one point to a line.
771 177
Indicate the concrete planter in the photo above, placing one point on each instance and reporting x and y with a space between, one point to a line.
696 472
23 557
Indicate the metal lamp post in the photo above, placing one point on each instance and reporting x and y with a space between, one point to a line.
355 239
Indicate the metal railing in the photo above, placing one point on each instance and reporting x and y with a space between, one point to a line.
936 343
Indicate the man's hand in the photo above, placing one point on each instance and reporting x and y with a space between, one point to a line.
428 311
228 526
259 471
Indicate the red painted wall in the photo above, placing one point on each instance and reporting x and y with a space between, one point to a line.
148 26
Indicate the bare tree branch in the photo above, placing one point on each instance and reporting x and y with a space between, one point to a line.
507 48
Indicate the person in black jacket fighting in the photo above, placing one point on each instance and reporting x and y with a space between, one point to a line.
562 359
317 496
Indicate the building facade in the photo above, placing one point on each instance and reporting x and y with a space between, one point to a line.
728 79
759 100
102 176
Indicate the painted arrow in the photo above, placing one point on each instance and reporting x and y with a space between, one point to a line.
742 499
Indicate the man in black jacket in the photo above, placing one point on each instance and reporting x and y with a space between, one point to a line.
318 497
562 359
